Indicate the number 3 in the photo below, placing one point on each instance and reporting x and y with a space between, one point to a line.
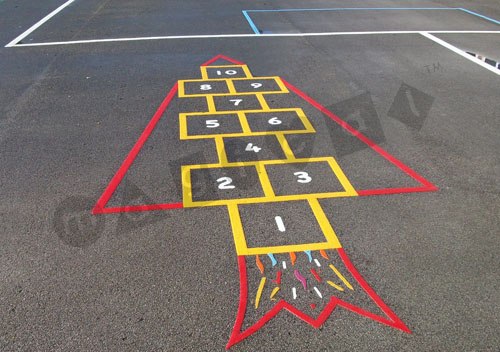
302 177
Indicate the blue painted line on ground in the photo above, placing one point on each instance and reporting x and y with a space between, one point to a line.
273 260
309 255
256 30
250 22
479 15
357 8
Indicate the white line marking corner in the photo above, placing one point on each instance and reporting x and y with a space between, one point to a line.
460 52
30 30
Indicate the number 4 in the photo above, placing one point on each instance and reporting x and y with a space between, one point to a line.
252 148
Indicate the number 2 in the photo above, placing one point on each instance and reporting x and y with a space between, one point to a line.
302 177
225 183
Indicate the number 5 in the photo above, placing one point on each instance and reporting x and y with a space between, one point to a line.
212 123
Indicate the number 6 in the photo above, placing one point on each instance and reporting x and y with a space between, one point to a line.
274 121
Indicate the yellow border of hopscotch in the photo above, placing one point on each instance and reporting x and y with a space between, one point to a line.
243 119
204 72
231 90
240 242
269 195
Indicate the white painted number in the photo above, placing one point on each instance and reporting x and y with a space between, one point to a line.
236 101
302 177
228 72
256 85
274 121
281 225
225 183
212 123
205 87
252 148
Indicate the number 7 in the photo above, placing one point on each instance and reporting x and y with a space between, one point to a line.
236 101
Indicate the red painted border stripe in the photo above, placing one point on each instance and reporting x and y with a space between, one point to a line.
394 320
138 208
377 192
427 186
118 177
223 57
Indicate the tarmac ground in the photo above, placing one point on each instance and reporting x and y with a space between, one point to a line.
259 176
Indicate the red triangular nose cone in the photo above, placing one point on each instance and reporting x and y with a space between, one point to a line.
221 60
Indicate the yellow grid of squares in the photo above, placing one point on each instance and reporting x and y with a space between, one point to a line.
331 240
269 195
230 86
184 134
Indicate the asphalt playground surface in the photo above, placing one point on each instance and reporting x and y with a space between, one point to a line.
168 280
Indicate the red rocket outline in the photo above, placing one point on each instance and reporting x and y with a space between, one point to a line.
237 335
100 206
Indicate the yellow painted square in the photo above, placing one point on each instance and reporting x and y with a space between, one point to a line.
183 82
331 239
348 191
204 70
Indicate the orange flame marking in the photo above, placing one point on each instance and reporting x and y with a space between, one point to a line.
259 264
323 254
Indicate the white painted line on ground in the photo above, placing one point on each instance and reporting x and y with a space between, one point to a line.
38 24
460 52
245 35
